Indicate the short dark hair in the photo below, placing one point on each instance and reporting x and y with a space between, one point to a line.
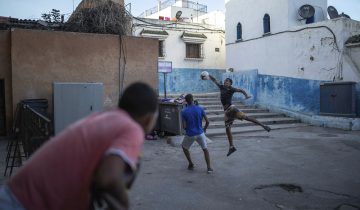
138 99
189 98
230 80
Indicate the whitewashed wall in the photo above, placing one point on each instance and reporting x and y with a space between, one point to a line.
307 54
250 14
175 48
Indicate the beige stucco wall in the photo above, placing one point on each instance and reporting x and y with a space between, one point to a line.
40 58
5 73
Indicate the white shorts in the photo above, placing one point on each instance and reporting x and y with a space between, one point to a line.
189 140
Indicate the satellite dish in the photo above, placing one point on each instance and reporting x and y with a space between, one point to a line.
345 15
333 13
306 11
178 15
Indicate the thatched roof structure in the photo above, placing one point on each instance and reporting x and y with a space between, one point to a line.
100 16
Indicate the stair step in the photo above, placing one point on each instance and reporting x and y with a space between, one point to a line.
254 115
245 129
218 102
266 121
245 110
219 105
195 95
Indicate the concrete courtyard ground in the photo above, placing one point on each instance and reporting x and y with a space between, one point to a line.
298 168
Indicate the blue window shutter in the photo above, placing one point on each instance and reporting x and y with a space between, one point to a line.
239 31
266 21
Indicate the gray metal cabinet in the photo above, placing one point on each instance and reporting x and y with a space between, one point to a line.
73 101
338 99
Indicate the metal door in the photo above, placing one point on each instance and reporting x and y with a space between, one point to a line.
73 101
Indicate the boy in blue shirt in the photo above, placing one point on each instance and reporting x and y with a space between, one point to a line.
192 117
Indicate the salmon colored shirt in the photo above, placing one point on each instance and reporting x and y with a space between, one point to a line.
59 174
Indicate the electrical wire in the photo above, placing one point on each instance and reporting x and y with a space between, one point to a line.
289 31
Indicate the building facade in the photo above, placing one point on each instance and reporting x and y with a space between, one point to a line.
191 47
285 58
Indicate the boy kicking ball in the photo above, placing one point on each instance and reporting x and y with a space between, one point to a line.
231 112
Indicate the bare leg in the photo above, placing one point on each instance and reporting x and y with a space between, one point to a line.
207 158
188 157
267 128
230 138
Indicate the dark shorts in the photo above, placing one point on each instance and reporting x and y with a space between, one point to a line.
232 113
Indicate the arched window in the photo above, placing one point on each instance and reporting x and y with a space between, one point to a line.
239 31
266 21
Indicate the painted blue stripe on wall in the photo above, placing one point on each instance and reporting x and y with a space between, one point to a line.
289 93
187 80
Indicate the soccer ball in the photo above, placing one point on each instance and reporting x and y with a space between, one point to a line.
205 75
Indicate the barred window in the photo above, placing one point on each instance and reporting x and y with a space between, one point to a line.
193 50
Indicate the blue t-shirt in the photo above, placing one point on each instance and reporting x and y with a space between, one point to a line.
192 115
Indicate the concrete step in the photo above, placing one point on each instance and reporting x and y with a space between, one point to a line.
254 115
219 106
266 121
195 95
208 100
218 102
245 110
245 129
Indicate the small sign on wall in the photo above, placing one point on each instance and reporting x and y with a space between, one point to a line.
165 67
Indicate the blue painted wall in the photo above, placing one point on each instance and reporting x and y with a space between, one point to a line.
292 94
289 93
186 80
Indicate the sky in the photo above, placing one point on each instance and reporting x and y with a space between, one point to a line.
32 9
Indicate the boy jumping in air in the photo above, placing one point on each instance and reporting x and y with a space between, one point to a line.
232 112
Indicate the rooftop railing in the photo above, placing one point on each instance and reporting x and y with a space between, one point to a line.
185 4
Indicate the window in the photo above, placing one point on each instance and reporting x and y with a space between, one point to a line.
238 31
266 21
193 50
161 48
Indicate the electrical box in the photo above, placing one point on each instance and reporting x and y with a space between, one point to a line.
338 99
73 101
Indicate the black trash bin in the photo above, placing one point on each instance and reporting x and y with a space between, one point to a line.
170 118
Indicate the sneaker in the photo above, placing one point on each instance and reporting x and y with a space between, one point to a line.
191 167
231 150
267 128
210 170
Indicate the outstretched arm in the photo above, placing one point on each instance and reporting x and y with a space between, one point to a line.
108 181
214 80
243 92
